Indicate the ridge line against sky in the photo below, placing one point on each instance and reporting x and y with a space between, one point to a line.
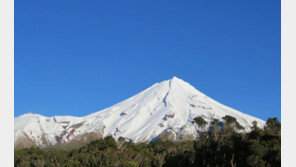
76 58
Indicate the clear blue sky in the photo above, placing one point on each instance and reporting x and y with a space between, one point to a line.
75 57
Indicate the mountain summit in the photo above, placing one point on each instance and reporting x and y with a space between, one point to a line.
164 109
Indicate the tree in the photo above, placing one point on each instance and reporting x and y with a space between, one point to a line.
229 119
102 144
255 125
231 122
273 126
200 121
214 129
256 132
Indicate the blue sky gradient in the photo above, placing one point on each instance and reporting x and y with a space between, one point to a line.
77 57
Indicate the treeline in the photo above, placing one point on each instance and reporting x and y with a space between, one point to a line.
221 146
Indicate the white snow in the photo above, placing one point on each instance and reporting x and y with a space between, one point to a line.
172 103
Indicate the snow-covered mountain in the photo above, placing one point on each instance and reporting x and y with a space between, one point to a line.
167 108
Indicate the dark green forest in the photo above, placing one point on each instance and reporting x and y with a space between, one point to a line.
221 146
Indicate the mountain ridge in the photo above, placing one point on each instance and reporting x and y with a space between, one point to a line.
168 106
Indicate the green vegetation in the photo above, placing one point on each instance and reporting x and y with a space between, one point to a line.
130 164
221 147
200 121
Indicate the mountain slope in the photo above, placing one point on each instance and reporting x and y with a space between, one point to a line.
165 107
